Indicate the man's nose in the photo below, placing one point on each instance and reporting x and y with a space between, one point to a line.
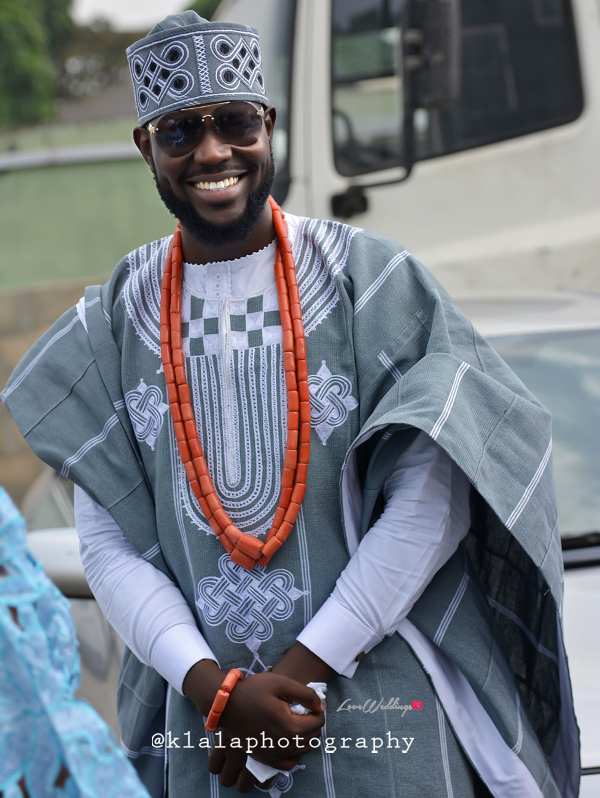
211 148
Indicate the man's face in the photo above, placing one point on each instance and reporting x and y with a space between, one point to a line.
214 216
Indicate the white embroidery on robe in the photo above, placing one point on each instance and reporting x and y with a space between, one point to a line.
247 601
142 291
320 252
331 401
243 441
283 783
146 410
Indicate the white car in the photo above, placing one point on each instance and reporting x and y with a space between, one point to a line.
552 341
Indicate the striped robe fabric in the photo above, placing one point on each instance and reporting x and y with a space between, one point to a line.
388 352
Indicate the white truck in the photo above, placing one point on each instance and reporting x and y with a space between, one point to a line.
469 130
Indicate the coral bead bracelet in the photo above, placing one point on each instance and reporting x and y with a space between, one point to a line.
221 699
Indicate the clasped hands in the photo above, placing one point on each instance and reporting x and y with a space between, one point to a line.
260 705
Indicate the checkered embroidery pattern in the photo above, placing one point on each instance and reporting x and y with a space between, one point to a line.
253 322
200 330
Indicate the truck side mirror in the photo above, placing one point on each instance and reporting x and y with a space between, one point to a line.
430 70
432 55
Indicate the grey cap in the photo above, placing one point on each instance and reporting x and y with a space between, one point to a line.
186 60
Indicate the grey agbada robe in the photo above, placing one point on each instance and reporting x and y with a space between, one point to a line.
388 352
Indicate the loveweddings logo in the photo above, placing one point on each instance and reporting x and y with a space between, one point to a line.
371 705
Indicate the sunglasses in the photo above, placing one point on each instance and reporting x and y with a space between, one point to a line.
236 123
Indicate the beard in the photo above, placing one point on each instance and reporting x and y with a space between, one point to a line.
219 235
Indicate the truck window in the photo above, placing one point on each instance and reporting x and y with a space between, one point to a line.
520 74
274 20
366 90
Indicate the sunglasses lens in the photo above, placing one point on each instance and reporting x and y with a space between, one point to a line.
238 124
179 134
235 123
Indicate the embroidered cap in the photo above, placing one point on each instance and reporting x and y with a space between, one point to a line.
186 60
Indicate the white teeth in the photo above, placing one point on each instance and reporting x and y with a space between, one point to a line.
217 185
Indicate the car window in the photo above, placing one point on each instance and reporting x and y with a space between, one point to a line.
563 371
48 503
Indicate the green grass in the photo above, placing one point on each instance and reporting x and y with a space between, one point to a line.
65 222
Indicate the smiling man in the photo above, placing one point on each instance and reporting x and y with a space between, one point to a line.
220 194
298 466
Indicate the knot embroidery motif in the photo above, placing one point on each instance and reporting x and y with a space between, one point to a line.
146 409
158 75
240 63
248 601
331 401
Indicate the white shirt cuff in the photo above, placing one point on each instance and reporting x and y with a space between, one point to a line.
338 636
176 651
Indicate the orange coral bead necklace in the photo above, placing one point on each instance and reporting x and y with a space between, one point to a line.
245 549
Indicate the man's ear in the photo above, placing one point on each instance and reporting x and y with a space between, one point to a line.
141 136
270 117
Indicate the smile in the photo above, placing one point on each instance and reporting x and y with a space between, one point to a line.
217 185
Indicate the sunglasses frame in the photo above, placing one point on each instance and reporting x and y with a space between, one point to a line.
153 129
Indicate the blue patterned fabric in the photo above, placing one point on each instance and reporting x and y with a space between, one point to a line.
44 729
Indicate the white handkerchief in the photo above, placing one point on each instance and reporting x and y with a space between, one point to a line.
265 772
